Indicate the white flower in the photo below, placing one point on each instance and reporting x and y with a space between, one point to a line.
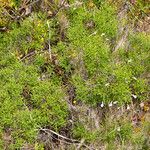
134 96
94 33
110 104
118 129
134 78
107 84
102 34
102 104
115 102
130 60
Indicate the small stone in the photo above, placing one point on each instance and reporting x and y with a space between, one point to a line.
141 105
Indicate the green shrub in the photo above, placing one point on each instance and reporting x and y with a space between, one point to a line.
94 66
34 89
79 131
28 102
91 55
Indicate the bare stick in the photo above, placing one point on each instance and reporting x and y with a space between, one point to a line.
59 135
80 144
49 44
67 139
28 55
33 3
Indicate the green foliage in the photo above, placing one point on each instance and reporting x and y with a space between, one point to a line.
62 53
120 131
142 8
16 3
34 89
80 131
99 2
95 67
139 54
106 20
28 102
28 37
92 55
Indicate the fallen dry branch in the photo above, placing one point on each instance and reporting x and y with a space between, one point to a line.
67 140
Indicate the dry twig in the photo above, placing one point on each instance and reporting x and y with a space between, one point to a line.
67 140
49 44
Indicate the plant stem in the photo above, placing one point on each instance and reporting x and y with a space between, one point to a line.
49 44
